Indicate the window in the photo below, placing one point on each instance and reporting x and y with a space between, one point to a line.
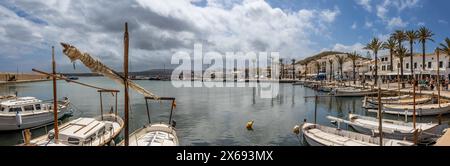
398 65
415 65
17 109
429 65
38 106
3 108
441 64
407 65
73 141
28 108
383 68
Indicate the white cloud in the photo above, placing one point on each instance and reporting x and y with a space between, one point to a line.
365 4
368 24
329 15
442 21
354 26
160 28
396 22
381 11
421 23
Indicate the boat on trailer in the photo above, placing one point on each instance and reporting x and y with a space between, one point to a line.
17 113
391 128
318 135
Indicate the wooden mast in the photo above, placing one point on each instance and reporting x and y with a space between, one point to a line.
125 80
414 110
55 102
438 79
380 115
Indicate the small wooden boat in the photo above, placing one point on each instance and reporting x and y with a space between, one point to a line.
318 135
368 102
155 134
421 110
391 128
326 88
17 113
351 92
97 131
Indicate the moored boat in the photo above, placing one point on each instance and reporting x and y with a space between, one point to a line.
351 92
421 109
318 135
26 112
391 128
84 131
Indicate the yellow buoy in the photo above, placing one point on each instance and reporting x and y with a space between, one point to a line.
249 125
296 129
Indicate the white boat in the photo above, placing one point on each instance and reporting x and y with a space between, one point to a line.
327 88
421 110
26 112
318 135
368 102
153 135
97 131
391 128
351 92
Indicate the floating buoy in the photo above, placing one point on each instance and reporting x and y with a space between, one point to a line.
296 129
249 125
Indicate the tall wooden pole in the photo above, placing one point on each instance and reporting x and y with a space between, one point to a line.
414 111
438 79
125 66
380 116
55 102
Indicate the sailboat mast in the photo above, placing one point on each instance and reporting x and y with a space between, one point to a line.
414 111
55 103
125 65
380 116
438 79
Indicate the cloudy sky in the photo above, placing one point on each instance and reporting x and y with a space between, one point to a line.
159 28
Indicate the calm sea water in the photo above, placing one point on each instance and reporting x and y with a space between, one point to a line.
204 116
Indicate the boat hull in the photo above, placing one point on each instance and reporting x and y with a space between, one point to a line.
8 123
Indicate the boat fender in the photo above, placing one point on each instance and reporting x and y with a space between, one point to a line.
18 119
296 129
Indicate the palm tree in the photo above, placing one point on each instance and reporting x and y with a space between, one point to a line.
353 57
375 46
390 44
445 47
400 52
424 35
293 68
411 36
318 68
331 68
340 61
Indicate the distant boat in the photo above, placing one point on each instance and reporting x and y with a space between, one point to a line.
351 92
97 131
391 128
26 112
318 135
72 78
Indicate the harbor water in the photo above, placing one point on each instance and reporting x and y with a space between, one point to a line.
204 116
